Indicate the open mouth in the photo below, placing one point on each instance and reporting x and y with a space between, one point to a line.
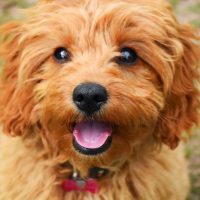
92 137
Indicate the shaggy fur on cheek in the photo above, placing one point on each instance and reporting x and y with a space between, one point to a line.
149 103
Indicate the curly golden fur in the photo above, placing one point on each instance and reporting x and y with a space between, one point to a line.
150 103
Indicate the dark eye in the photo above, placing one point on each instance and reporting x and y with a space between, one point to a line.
61 55
128 57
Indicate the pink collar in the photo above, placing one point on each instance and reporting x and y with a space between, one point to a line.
90 184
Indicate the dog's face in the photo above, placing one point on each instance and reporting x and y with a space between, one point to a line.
100 77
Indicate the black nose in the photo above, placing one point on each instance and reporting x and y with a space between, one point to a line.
89 97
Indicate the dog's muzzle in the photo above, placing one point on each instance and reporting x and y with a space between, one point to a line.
91 137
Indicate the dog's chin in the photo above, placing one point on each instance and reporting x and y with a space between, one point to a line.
92 137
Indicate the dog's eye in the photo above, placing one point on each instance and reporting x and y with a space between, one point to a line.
128 57
61 55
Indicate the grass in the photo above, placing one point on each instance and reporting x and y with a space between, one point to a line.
174 2
8 9
195 9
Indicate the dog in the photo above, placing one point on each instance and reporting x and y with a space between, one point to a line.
95 96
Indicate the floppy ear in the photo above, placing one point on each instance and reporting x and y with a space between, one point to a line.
15 100
181 110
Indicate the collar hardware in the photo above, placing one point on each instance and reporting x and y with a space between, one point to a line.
97 172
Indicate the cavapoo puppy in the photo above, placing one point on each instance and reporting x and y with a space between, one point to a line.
96 94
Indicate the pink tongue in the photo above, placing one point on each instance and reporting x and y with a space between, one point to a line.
91 134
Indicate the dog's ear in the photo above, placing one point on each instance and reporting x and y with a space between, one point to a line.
16 102
181 110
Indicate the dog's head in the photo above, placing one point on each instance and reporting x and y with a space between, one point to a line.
99 77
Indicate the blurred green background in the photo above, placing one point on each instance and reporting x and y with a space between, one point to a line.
186 11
